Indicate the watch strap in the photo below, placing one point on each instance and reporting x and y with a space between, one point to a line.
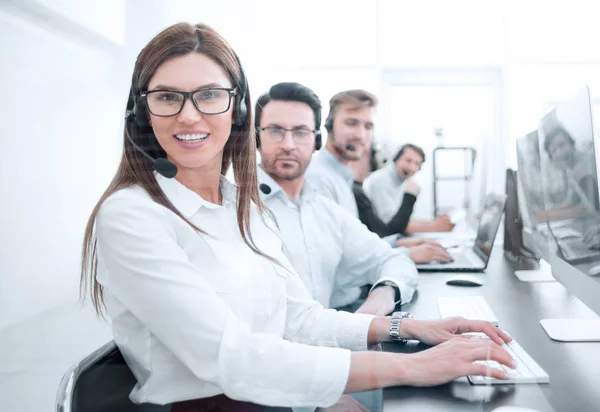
395 324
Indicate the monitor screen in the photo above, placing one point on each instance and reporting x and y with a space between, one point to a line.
570 183
530 191
569 178
568 160
489 221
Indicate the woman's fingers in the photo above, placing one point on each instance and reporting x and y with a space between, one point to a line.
478 369
486 350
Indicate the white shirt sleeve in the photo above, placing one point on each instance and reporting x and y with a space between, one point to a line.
377 189
151 275
369 259
309 322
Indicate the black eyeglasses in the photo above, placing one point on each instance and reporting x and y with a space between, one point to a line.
213 100
276 134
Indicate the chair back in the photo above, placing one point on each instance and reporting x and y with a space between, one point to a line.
101 382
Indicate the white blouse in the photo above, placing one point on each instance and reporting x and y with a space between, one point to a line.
200 314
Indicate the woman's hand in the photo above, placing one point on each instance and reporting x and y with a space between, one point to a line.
453 359
433 332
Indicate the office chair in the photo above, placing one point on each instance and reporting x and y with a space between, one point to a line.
99 383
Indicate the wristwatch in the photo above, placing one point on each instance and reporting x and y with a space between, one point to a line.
397 296
395 326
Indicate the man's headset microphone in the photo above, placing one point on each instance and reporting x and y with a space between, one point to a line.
329 127
137 114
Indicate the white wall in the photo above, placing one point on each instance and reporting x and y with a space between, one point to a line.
61 143
66 67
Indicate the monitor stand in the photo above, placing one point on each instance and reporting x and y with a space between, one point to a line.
542 274
572 330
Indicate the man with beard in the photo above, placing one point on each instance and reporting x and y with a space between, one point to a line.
387 186
349 128
334 253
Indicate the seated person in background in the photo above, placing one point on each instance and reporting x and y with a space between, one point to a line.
203 304
349 133
385 188
421 251
349 128
332 251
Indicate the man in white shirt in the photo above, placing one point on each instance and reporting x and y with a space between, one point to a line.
386 186
349 133
349 128
333 252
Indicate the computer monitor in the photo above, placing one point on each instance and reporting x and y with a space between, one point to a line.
569 177
583 281
531 194
489 222
570 185
568 159
514 247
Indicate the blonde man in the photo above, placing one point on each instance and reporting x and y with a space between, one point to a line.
349 128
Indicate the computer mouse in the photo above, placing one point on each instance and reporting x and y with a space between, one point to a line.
464 281
514 409
594 271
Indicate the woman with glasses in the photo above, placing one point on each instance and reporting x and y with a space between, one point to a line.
204 306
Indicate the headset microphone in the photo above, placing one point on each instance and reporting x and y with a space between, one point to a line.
161 165
266 189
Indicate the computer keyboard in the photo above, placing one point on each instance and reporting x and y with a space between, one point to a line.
469 307
575 249
566 233
477 308
527 371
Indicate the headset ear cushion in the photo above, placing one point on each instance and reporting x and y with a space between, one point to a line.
240 112
329 125
318 141
140 114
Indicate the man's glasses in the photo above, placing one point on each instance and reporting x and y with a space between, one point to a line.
276 134
214 100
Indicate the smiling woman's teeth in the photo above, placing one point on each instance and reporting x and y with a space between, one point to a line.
191 137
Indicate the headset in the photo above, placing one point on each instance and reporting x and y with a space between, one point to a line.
318 140
329 127
138 115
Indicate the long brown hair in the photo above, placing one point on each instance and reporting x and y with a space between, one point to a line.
134 169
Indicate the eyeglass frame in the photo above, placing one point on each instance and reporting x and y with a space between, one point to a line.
315 131
189 95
